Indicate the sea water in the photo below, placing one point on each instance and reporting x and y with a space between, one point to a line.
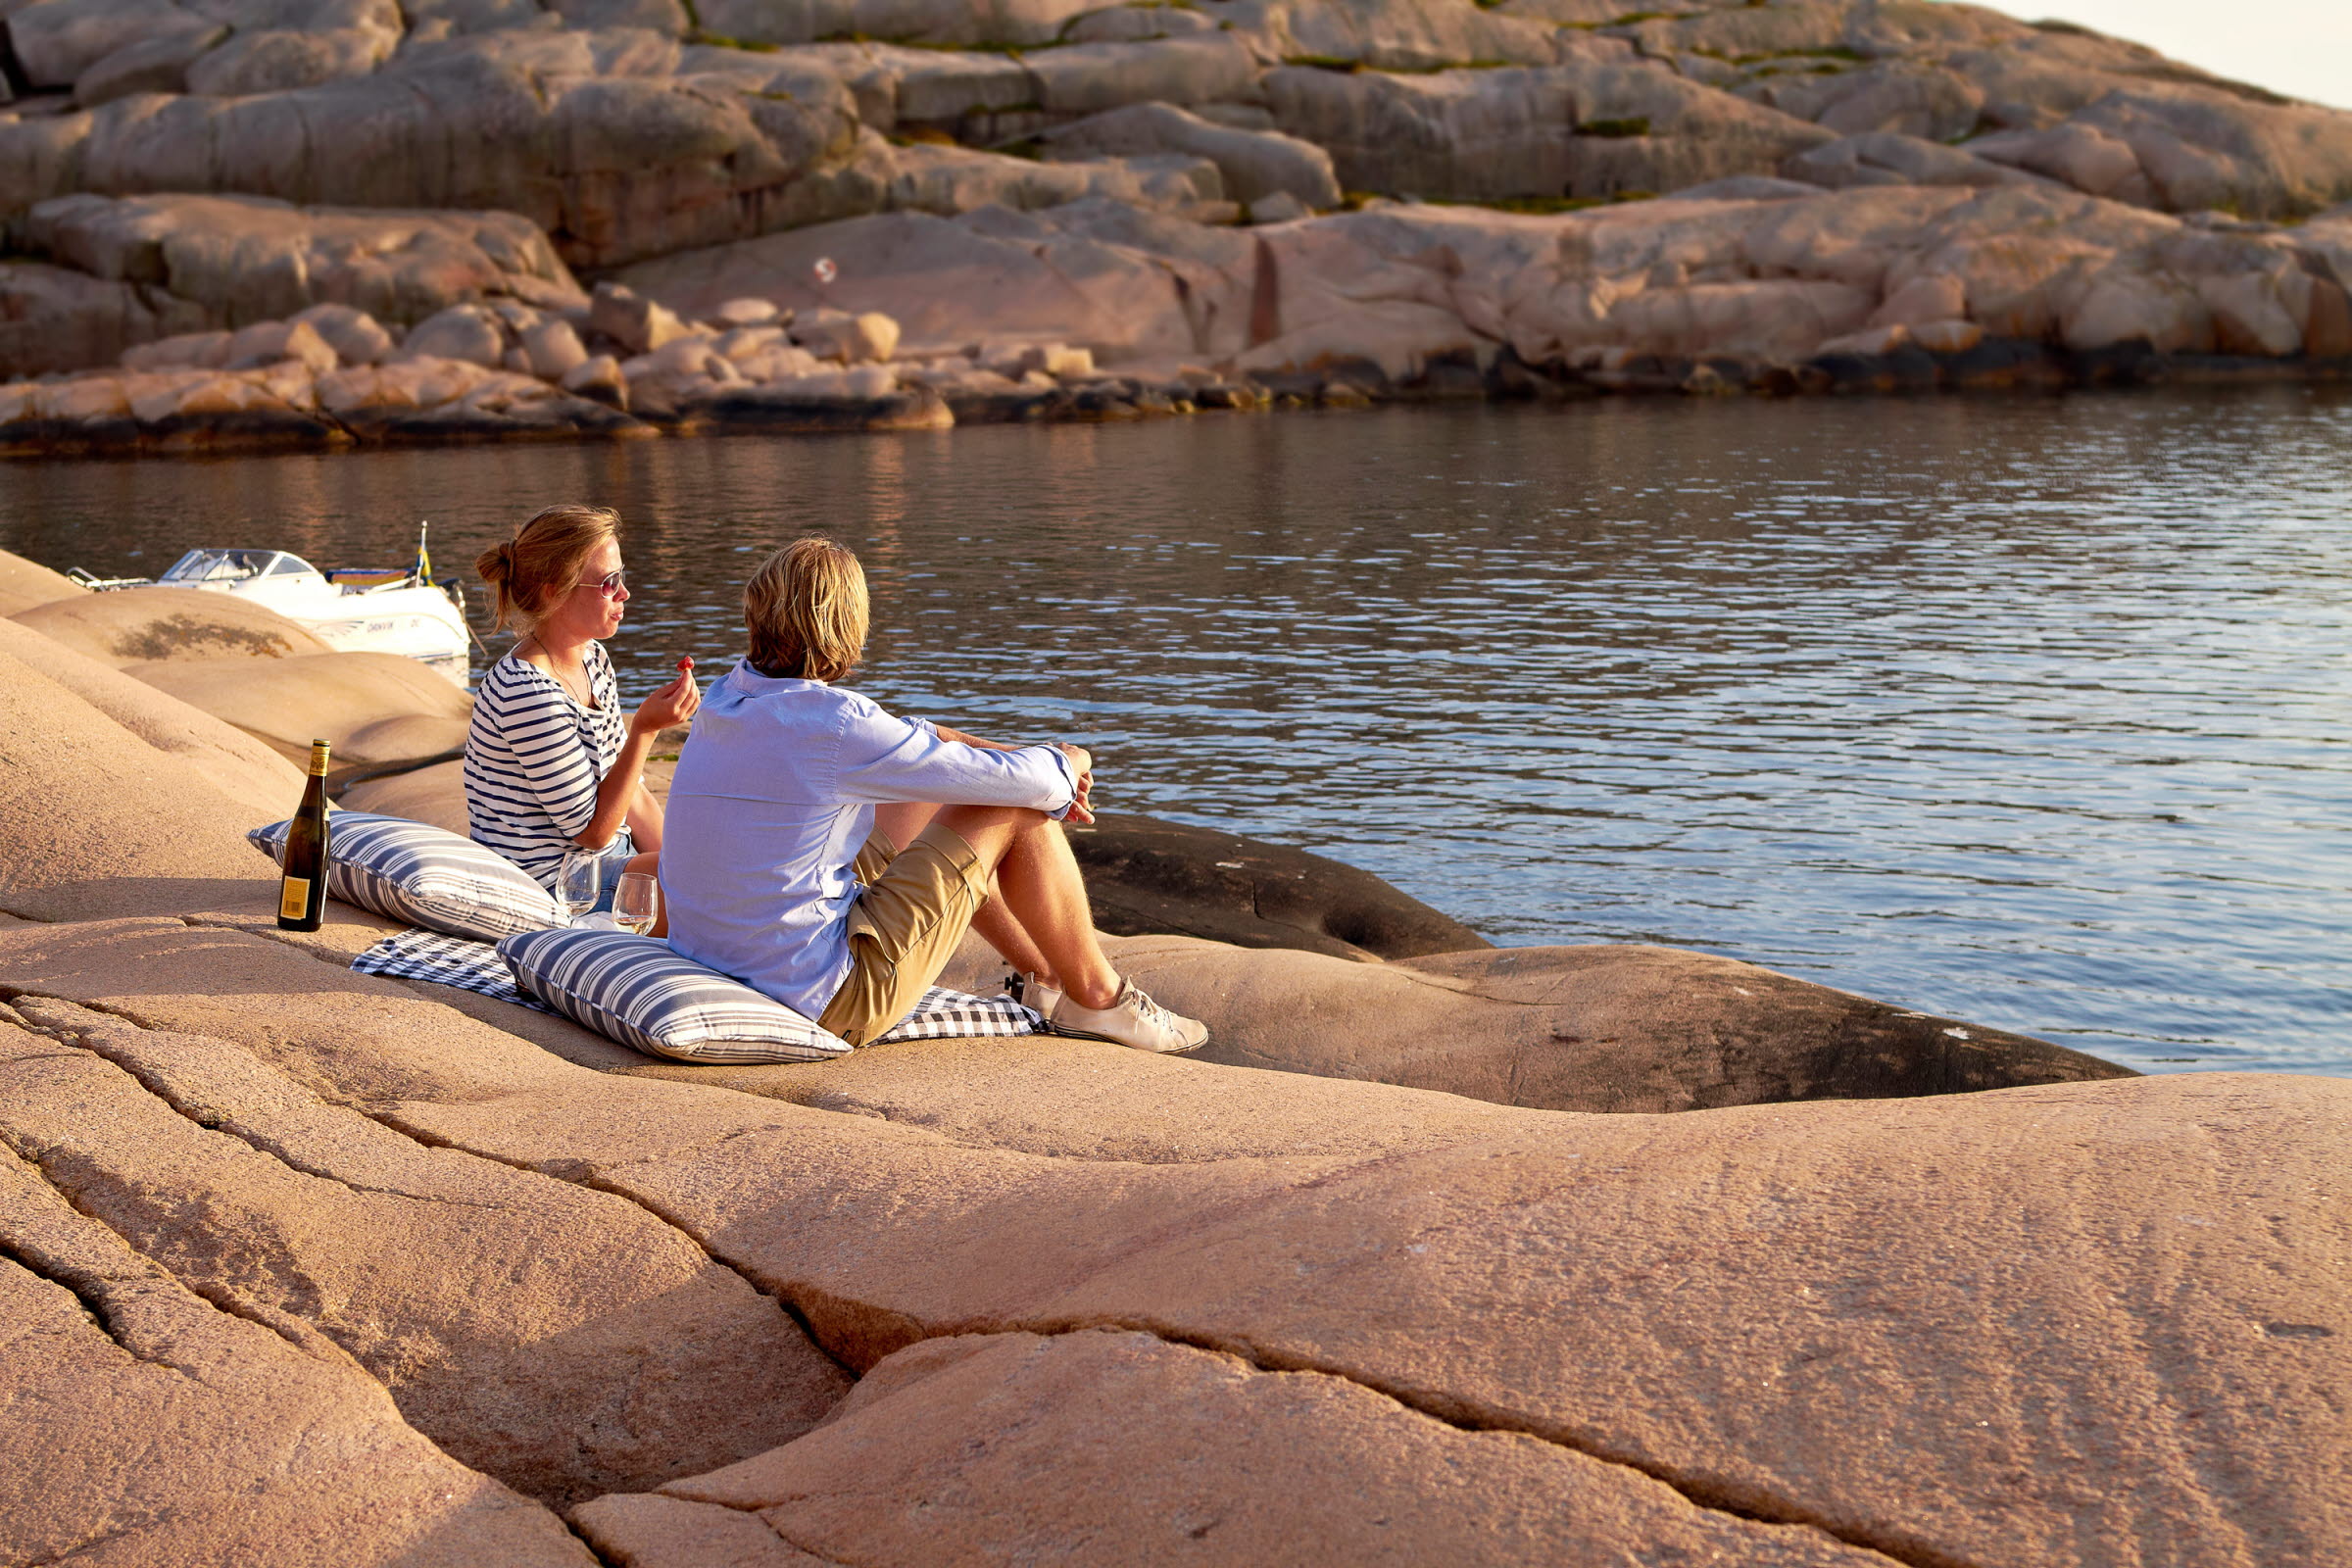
2037 712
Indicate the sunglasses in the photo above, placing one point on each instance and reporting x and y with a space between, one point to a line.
611 585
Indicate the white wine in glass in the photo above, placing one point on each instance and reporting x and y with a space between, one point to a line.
636 901
578 881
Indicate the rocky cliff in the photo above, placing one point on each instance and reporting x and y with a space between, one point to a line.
1078 210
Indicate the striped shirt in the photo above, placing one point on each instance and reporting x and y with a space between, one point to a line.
534 757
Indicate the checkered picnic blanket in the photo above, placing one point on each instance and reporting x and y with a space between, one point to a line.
447 960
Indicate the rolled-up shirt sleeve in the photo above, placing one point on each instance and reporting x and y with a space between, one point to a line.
884 758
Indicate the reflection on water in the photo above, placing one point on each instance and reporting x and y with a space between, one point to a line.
2031 711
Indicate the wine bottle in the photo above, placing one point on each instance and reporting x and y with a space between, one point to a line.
302 896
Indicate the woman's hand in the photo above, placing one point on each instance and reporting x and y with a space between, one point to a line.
675 703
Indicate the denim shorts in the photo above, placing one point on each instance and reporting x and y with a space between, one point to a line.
612 863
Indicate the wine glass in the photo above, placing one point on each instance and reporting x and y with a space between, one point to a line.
579 880
636 901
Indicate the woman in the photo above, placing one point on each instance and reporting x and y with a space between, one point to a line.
551 763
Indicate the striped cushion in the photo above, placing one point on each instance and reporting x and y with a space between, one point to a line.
424 875
635 990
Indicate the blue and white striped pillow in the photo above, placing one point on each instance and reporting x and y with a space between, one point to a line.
639 992
424 875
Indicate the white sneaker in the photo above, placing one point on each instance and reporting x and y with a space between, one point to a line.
1132 1020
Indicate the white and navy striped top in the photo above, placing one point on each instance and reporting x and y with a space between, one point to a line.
534 757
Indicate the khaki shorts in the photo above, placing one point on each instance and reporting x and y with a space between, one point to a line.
905 927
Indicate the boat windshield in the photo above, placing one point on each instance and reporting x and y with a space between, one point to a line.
233 565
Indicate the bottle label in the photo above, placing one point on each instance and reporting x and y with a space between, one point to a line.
294 897
319 759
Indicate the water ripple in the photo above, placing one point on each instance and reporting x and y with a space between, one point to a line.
2027 711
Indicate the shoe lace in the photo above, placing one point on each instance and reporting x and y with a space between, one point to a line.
1151 1011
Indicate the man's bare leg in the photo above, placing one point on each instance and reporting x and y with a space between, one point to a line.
1041 895
995 924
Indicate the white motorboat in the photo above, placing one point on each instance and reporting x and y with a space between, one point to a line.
385 611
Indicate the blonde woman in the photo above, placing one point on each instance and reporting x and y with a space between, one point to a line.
832 854
552 763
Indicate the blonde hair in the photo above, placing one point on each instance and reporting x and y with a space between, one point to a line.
541 564
806 609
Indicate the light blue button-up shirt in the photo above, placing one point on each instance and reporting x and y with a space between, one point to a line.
774 796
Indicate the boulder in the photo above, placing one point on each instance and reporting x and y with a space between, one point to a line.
637 323
230 260
1280 208
1281 1466
425 399
554 348
279 60
745 313
2078 155
1253 165
1581 129
1148 875
901 87
58 318
618 1358
138 625
1887 158
461 333
1136 23
2201 150
1397 34
620 166
356 337
269 342
24 584
55 42
281 1449
668 17
853 339
184 351
1087 78
155 63
339 697
599 377
938 23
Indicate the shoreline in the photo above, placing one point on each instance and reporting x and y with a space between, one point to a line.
1994 366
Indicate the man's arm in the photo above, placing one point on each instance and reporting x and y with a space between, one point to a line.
1081 765
887 759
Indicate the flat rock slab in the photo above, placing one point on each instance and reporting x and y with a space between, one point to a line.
233 761
136 624
367 705
24 584
1604 1027
1114 1448
98 820
2046 1326
562 1340
147 1427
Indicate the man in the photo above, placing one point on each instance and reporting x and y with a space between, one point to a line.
783 863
